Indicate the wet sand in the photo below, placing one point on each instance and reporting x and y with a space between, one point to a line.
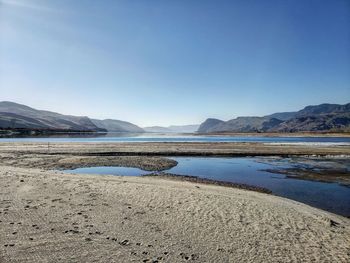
151 156
319 169
49 216
174 149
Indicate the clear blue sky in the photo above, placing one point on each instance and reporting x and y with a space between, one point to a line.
160 62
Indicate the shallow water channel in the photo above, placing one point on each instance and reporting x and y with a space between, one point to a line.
333 197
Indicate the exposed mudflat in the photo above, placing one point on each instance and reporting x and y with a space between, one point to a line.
152 156
173 149
63 161
329 170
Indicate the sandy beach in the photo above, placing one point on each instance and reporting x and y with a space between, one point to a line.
49 216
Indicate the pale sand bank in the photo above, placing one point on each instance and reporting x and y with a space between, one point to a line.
53 217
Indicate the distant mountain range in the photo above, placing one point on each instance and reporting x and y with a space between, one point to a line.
173 129
18 116
319 118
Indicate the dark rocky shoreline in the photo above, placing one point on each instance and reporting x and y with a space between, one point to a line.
198 180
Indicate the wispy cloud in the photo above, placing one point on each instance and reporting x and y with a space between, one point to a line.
28 5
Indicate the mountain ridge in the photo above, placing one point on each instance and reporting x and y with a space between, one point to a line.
18 116
314 118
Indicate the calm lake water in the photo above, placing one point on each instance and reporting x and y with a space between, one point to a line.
332 197
111 170
167 137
